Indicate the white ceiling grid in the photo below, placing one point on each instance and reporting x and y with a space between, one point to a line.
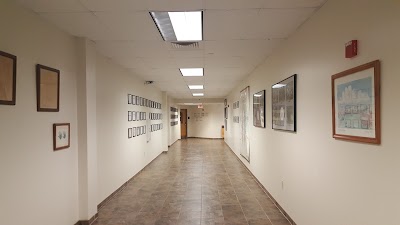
238 36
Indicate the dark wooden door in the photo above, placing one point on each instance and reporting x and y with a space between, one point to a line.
183 123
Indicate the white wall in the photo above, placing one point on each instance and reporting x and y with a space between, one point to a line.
327 181
209 124
38 185
174 131
120 158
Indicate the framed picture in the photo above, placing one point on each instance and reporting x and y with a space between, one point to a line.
226 112
356 104
133 100
8 78
259 109
129 132
61 136
48 89
129 99
284 104
130 115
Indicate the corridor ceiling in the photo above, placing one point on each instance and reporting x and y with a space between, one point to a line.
238 36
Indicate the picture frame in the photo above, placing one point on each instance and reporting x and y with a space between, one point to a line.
61 136
8 78
133 100
356 104
129 99
259 109
47 89
130 116
129 133
283 95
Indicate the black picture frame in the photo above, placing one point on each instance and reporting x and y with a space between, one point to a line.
259 109
48 105
129 99
129 133
283 100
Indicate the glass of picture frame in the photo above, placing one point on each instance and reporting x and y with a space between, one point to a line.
284 104
129 132
129 99
259 109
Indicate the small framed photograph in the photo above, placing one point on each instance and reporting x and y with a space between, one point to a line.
129 133
134 134
142 102
47 89
61 136
356 104
130 113
259 109
129 99
8 78
133 100
284 104
137 102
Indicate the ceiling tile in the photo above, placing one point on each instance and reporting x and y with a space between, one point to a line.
131 49
115 5
130 25
196 62
54 5
234 4
174 5
161 63
129 63
293 4
194 80
78 24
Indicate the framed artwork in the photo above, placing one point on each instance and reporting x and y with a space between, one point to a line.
226 112
133 100
129 99
8 78
284 104
259 109
356 104
130 115
61 136
129 132
48 89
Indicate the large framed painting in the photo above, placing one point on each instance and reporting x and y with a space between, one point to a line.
8 78
48 89
356 104
61 136
284 104
259 109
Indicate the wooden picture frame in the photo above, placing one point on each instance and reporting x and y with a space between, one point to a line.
47 89
61 136
356 104
8 78
284 104
259 109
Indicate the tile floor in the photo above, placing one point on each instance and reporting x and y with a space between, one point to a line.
197 182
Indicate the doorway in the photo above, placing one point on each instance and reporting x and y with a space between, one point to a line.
183 123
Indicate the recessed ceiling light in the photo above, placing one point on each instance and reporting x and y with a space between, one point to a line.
179 26
196 87
192 72
198 94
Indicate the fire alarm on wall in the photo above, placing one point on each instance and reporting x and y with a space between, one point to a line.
351 49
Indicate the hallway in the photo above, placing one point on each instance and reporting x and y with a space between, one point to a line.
197 182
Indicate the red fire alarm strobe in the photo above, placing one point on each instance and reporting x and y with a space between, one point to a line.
351 49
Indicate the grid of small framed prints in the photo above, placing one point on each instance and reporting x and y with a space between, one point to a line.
137 100
236 105
156 127
136 116
155 116
174 116
136 131
236 119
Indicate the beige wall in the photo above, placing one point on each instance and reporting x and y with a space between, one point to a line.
38 185
209 125
120 158
327 181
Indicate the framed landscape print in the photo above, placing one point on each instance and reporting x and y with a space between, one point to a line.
259 109
284 104
356 104
48 89
61 136
8 78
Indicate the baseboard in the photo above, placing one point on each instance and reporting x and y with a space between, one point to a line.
266 191
173 143
87 222
207 138
123 186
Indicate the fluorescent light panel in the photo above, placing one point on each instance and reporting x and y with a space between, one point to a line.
179 26
196 87
192 72
198 94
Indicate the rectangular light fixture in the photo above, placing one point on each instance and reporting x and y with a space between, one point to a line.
198 94
196 87
179 26
192 72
